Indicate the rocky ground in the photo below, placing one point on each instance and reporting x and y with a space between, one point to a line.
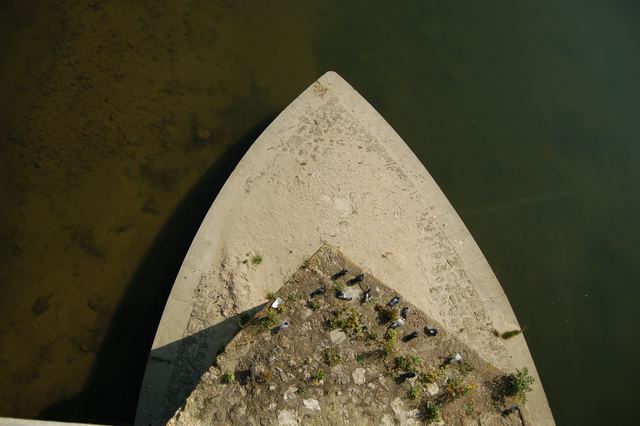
334 350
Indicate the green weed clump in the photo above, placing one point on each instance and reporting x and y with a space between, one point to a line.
414 392
256 260
432 413
313 304
390 341
519 383
228 377
348 320
270 320
386 314
431 375
470 408
318 376
408 362
330 357
456 388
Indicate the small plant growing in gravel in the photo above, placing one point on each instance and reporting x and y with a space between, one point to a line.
414 392
318 376
373 301
390 340
271 296
429 376
313 304
470 408
330 357
456 388
519 383
360 359
465 368
228 377
432 412
348 320
408 362
391 334
270 320
386 314
256 260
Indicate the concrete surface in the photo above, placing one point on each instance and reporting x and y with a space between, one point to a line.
329 169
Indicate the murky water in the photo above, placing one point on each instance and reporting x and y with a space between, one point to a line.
525 113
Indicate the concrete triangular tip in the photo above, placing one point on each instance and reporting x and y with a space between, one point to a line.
335 345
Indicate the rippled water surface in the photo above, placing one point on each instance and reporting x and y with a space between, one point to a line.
120 120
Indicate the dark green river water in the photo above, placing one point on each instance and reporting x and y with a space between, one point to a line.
526 113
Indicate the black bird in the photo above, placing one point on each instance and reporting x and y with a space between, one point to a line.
430 331
513 409
356 279
393 302
318 291
340 273
340 295
410 336
397 323
404 312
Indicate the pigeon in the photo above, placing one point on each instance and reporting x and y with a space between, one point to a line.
410 336
340 295
404 312
430 331
318 291
356 279
284 325
393 302
340 273
398 323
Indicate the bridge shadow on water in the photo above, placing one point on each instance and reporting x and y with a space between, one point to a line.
110 394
